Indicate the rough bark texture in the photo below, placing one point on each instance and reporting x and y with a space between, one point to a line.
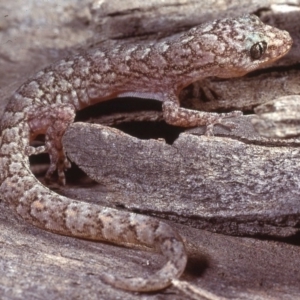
223 184
234 183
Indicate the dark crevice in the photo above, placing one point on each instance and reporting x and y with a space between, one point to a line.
131 11
228 226
142 130
261 10
196 266
124 12
117 105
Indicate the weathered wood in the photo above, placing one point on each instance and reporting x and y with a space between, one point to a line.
36 264
215 183
279 118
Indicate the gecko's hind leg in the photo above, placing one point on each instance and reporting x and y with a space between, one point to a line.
53 122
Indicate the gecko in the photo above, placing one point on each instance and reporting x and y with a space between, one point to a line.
47 102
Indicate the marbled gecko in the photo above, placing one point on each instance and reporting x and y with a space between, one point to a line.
46 104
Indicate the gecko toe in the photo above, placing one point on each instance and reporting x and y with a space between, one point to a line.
232 114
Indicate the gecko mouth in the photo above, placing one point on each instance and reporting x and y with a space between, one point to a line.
278 54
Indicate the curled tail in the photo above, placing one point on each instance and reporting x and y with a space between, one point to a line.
45 209
40 206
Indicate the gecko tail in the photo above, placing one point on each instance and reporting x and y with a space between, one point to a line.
173 249
58 214
131 228
137 284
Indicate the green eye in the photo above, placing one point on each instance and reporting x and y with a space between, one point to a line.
258 49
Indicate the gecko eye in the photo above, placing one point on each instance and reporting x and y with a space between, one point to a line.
258 49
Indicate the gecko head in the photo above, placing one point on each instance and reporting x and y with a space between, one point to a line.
264 44
245 44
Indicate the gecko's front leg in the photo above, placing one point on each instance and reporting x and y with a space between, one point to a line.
175 115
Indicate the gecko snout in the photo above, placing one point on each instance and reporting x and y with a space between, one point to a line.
280 43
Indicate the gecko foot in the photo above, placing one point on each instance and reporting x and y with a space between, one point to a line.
53 142
221 120
59 163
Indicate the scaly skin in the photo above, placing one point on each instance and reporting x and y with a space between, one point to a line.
46 104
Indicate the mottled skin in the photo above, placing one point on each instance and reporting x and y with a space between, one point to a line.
46 104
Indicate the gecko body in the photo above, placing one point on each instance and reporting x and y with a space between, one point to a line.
46 104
